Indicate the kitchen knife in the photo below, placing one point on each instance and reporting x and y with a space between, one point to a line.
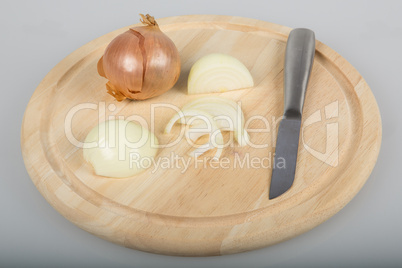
300 49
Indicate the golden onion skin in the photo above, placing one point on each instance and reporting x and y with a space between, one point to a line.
140 63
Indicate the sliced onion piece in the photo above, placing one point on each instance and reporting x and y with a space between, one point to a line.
215 141
115 148
195 135
226 113
204 121
218 73
215 114
183 114
204 148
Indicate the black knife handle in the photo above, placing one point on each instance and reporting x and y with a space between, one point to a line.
300 49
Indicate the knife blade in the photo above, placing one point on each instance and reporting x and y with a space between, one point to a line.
300 49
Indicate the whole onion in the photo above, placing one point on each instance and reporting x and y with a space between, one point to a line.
140 63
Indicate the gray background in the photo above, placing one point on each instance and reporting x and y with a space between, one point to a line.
36 35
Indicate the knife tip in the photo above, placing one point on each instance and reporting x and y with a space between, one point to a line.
272 195
276 192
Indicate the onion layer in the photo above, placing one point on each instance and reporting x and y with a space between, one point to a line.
210 115
227 114
218 73
203 121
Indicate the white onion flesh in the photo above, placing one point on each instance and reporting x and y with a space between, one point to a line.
211 110
203 121
182 115
218 72
226 113
116 148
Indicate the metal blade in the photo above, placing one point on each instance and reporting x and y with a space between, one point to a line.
284 167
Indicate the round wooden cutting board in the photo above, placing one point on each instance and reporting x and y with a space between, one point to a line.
204 209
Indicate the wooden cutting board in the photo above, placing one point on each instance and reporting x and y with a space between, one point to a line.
204 210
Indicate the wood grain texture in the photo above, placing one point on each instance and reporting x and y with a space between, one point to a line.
205 211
